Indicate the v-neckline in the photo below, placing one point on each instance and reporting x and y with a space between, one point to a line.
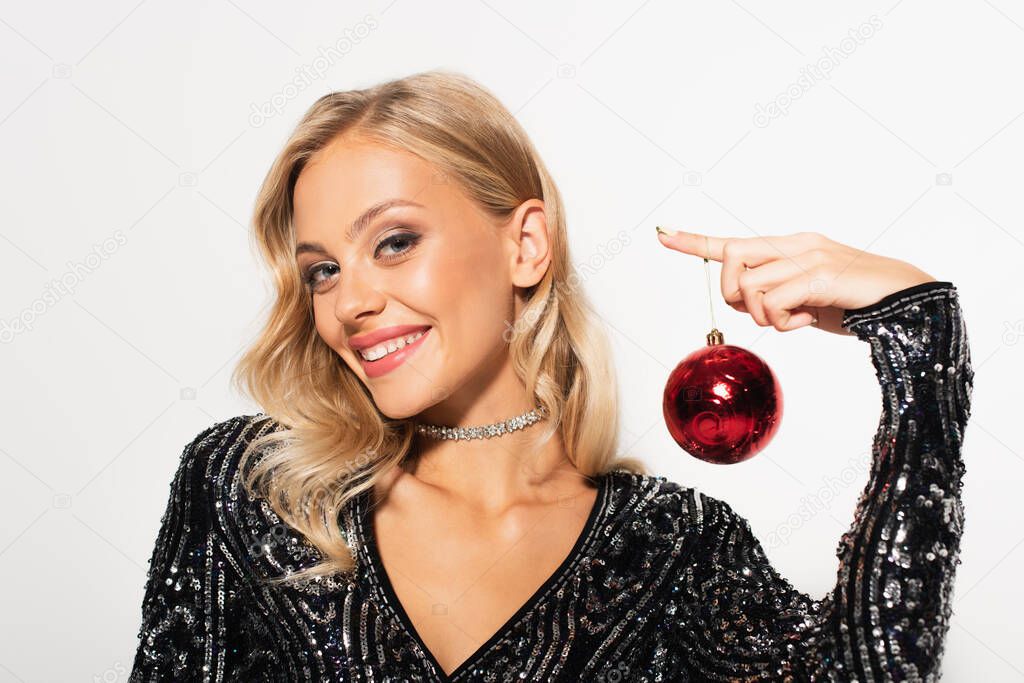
366 527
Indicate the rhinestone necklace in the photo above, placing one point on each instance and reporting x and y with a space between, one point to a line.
483 431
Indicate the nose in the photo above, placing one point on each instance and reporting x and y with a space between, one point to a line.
358 297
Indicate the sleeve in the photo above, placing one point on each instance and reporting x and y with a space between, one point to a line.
888 615
190 617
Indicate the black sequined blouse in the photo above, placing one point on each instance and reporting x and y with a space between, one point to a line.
665 583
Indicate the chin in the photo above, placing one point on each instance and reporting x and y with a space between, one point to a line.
400 407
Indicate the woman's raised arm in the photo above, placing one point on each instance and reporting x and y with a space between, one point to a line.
888 615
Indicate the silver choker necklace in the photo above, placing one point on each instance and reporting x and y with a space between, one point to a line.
484 431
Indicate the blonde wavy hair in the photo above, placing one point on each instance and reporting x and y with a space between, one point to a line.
335 443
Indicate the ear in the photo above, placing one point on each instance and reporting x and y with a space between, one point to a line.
531 253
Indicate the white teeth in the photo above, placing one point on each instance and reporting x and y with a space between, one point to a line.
390 346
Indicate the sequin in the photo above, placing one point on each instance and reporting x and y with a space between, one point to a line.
666 582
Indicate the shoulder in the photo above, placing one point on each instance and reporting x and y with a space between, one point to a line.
230 432
222 443
210 460
210 481
660 523
669 505
260 544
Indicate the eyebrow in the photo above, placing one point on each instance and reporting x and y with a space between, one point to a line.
359 224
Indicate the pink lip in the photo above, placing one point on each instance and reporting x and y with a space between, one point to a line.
382 366
365 341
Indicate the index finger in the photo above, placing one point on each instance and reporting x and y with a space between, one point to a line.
694 243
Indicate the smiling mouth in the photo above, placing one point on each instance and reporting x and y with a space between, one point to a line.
385 349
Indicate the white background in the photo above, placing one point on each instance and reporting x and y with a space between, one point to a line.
132 124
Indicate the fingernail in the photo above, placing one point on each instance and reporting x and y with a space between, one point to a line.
663 231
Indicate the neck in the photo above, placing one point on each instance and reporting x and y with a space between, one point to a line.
496 473
491 474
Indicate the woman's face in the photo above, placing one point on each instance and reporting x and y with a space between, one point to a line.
384 239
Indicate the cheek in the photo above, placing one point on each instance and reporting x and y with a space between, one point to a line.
465 279
476 277
328 327
475 262
325 322
439 281
479 305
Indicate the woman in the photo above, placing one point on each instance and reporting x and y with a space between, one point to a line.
433 492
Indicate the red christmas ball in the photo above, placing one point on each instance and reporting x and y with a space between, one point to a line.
722 404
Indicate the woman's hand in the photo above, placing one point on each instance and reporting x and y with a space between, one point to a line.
792 280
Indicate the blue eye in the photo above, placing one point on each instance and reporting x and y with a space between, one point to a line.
311 275
397 240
